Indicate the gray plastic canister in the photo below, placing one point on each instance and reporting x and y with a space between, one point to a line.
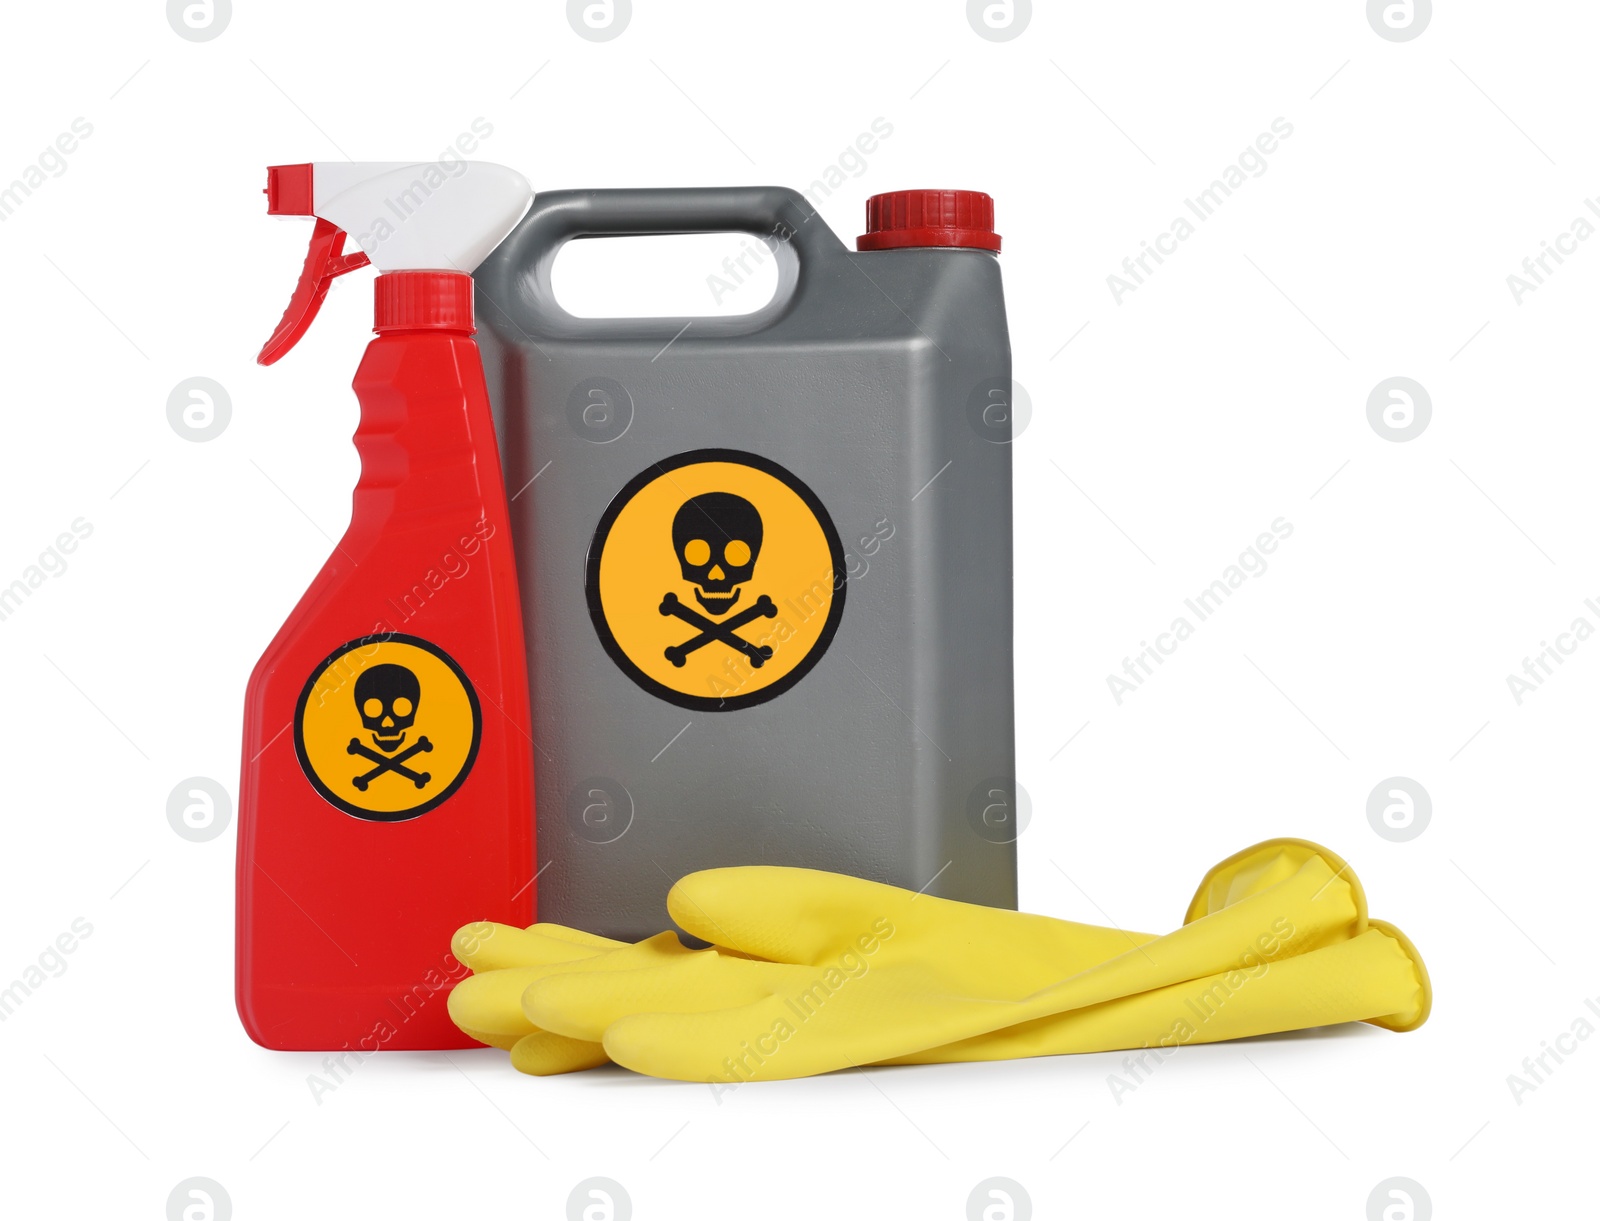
876 387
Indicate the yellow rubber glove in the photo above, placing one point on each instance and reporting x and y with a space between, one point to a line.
659 977
858 972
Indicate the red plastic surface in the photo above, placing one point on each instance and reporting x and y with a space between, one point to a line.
344 924
325 260
929 218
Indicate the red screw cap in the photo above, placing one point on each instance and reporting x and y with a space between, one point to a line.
930 218
423 301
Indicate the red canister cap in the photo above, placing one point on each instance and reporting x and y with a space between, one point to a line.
929 218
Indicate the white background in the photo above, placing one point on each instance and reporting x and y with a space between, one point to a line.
1226 392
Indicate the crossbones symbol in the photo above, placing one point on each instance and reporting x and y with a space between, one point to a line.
389 763
758 654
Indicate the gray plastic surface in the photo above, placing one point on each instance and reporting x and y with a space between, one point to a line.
893 758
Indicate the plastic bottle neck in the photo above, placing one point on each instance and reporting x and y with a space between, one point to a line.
423 301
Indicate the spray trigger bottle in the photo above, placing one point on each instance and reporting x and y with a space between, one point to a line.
386 793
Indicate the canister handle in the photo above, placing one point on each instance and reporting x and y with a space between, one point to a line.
516 278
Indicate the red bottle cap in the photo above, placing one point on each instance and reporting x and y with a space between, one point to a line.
930 218
423 301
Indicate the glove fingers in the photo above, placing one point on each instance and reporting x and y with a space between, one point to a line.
489 1004
778 913
564 932
486 946
543 1054
659 950
583 1003
505 1042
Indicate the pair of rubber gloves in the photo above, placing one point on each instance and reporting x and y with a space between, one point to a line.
809 972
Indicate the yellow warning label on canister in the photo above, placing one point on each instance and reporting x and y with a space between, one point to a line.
387 727
716 579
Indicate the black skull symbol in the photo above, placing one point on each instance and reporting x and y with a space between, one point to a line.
387 698
717 536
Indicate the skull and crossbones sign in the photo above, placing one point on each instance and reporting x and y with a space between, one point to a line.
387 697
717 537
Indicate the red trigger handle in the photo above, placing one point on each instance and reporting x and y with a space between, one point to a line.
324 261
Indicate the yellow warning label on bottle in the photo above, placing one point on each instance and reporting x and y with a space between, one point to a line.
387 727
716 579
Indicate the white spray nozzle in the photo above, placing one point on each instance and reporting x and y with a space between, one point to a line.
428 215
405 216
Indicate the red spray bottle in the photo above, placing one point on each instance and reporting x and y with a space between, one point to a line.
386 795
